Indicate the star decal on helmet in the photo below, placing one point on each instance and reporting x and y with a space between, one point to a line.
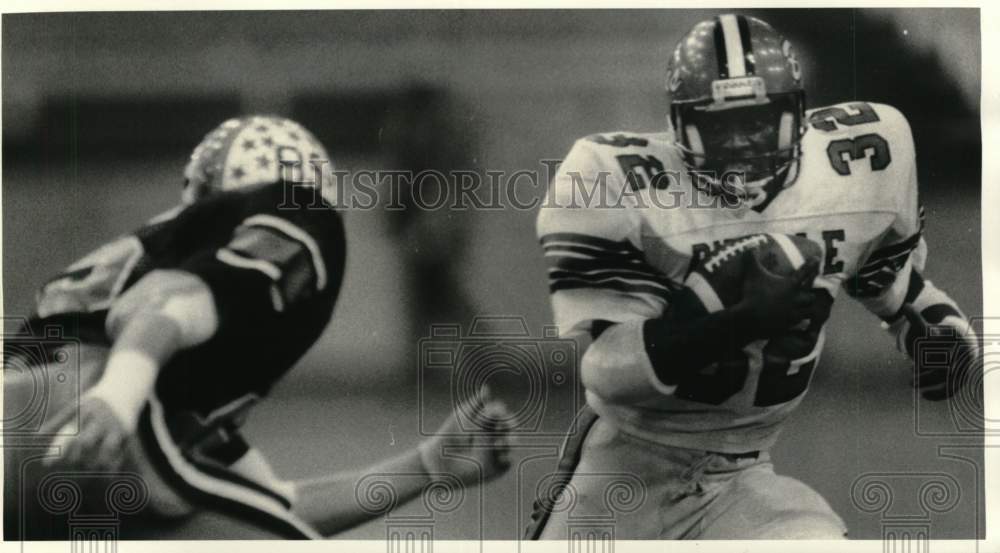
251 150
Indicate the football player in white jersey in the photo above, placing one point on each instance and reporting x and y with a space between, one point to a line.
690 399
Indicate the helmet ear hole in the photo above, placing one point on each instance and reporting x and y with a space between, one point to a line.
695 143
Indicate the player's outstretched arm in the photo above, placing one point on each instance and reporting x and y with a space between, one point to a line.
164 312
641 360
330 503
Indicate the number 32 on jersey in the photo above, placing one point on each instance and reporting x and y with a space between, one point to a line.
841 152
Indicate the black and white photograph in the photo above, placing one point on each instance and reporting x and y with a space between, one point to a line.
464 278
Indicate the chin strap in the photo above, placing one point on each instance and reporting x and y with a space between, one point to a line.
752 194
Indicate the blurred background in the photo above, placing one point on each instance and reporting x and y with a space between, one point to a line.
100 111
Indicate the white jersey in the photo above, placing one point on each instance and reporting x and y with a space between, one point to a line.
623 222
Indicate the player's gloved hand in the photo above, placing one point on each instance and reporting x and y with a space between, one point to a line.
938 381
99 443
476 455
773 303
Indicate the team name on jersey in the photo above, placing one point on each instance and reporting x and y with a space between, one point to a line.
827 239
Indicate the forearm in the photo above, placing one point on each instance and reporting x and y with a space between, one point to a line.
143 346
883 287
644 359
165 312
331 504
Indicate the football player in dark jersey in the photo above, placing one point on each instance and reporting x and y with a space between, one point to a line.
229 290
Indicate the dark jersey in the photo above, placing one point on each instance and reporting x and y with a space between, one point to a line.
273 258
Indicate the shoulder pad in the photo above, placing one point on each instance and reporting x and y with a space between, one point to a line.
854 118
618 139
870 147
623 158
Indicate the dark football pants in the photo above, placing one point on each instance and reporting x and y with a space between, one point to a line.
177 478
203 477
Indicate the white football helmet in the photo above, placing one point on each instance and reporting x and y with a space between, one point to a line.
255 149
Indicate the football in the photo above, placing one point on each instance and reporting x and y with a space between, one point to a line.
717 278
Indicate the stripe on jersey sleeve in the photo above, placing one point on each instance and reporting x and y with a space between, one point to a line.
893 256
584 261
283 252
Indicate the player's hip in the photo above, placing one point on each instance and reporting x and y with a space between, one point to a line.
610 448
640 489
702 429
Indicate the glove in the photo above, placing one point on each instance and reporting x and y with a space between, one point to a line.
774 303
937 377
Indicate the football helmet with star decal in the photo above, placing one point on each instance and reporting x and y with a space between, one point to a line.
737 107
255 149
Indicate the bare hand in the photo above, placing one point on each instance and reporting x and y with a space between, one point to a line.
99 444
471 453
